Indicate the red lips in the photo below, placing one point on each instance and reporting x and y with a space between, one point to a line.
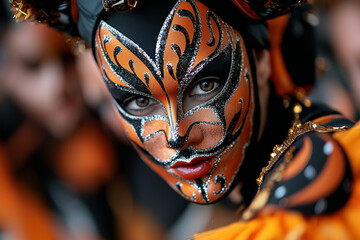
194 169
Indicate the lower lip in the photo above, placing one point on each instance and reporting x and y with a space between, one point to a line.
195 171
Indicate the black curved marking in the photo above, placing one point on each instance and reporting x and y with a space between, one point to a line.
216 52
202 189
176 49
222 180
178 141
178 186
147 78
334 200
187 14
235 119
209 16
170 70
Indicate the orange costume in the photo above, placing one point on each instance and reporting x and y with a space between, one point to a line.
274 222
191 82
83 163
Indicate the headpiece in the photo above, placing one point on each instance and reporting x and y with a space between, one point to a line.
79 17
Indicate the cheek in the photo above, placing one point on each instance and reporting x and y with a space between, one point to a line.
238 104
27 94
130 132
157 146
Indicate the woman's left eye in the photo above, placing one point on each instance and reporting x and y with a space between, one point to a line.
206 86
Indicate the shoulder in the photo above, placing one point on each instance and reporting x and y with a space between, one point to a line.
318 179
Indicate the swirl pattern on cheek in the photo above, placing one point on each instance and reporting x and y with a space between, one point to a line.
217 130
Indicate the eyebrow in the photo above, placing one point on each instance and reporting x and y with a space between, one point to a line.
121 93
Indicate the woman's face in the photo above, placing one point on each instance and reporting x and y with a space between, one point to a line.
189 111
39 74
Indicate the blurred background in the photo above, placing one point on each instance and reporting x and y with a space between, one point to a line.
337 62
66 168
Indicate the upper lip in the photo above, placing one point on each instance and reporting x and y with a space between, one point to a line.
193 162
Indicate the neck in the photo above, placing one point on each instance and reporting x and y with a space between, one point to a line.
277 122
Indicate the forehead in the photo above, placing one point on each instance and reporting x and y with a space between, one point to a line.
142 24
35 40
190 37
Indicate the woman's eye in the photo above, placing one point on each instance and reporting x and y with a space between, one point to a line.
142 106
204 87
31 64
139 103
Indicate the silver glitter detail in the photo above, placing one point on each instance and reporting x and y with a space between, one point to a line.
106 38
164 28
246 75
119 35
189 74
217 181
179 186
206 184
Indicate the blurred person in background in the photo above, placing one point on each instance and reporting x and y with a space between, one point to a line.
344 29
196 131
56 159
56 151
338 54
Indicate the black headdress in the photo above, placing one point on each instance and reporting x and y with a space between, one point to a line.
81 17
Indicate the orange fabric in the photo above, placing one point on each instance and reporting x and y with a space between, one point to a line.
74 11
246 9
327 118
86 160
328 178
22 214
279 73
284 224
300 160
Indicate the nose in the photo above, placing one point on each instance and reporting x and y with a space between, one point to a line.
175 140
183 136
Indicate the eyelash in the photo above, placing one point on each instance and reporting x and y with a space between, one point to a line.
215 80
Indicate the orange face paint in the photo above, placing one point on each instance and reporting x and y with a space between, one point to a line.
196 145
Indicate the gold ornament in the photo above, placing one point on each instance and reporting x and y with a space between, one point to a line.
24 10
119 5
297 129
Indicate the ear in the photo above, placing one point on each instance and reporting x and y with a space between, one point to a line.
263 67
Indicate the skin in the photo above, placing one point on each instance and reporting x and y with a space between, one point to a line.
40 76
172 110
345 39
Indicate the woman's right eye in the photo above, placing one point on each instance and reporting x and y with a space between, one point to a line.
140 106
139 103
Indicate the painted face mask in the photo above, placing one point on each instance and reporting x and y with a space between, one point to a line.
189 111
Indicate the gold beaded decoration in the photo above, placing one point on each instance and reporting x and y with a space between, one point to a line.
297 129
119 5
23 11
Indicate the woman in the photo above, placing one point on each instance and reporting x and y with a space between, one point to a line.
201 88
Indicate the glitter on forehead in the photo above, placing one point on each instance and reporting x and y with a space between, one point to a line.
221 40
